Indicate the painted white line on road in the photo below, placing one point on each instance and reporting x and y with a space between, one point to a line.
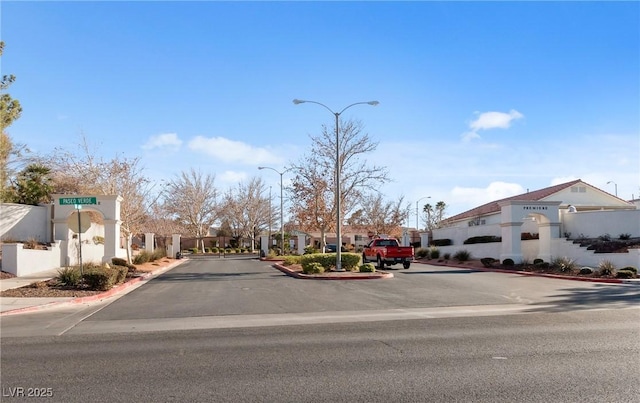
242 321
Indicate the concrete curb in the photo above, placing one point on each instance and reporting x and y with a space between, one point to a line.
92 298
548 275
373 276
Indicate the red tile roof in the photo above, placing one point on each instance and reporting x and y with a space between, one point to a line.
493 206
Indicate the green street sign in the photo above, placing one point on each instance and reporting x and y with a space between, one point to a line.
65 201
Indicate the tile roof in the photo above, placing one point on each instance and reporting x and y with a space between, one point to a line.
493 207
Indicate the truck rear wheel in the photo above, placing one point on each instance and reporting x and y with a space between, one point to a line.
406 264
380 263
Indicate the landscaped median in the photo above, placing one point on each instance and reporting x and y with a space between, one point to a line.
319 266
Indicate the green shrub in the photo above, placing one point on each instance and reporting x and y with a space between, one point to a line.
100 278
69 276
121 273
441 242
585 271
118 261
434 253
488 261
423 253
140 258
207 250
624 237
312 268
446 256
606 268
564 264
631 268
537 261
227 251
543 265
625 274
482 239
308 250
462 255
508 262
367 268
215 250
158 253
291 260
349 261
194 250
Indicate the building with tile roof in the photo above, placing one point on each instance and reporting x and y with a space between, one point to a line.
549 217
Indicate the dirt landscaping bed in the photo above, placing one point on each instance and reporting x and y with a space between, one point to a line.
52 288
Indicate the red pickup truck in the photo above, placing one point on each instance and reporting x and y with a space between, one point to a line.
387 251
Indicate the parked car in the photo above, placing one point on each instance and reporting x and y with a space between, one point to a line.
331 248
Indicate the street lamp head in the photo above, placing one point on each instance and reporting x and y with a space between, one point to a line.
298 101
374 103
261 167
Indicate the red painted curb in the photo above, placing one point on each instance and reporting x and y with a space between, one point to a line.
548 275
380 276
91 298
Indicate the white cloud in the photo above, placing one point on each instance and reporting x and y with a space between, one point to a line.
495 191
232 151
470 136
495 120
163 141
232 177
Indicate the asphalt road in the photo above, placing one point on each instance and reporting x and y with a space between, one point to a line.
240 331
588 356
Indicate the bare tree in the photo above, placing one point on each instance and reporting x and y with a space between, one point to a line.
85 173
313 187
246 209
191 198
379 216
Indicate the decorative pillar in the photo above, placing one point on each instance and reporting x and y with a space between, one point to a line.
264 245
424 239
511 246
302 239
547 231
149 241
111 239
175 245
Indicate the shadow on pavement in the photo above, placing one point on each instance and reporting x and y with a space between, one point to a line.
174 277
461 271
600 295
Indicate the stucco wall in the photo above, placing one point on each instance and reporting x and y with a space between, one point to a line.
560 247
20 222
592 224
22 262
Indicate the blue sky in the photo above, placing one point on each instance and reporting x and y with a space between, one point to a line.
478 100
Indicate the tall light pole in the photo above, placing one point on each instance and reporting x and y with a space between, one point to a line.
417 214
616 186
281 205
338 223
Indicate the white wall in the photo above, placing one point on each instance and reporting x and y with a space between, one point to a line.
560 247
22 262
20 222
592 224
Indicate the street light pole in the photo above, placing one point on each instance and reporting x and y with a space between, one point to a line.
616 186
281 205
417 215
338 197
